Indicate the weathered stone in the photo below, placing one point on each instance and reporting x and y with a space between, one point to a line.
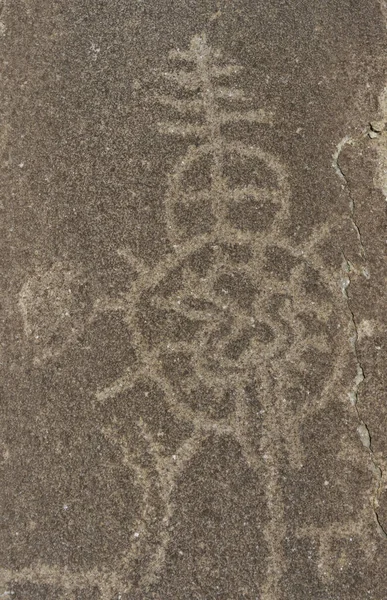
193 291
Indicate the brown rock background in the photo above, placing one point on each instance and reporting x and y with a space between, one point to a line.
91 502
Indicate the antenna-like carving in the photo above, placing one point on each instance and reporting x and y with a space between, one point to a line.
210 102
210 96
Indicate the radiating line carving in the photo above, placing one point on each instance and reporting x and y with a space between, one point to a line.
227 309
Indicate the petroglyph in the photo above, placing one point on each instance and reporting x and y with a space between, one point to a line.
222 200
230 312
224 318
343 536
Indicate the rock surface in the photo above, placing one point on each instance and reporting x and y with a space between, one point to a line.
193 292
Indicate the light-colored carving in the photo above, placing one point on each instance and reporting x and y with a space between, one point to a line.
272 341
198 299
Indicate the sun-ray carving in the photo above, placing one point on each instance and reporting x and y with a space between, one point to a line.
230 321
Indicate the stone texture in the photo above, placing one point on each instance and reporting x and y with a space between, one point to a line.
193 273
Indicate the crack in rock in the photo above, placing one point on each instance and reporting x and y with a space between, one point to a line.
362 428
352 206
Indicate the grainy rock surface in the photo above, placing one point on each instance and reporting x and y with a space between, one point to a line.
193 291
